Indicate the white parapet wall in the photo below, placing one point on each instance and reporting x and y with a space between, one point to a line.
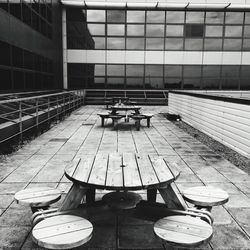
224 118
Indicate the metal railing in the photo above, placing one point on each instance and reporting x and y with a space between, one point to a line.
21 114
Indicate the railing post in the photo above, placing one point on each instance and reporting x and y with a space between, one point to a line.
64 105
57 109
20 121
37 119
48 109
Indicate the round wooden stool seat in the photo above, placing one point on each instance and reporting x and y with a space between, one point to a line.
62 232
205 196
122 200
184 231
38 196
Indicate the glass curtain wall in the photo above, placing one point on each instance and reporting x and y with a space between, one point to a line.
158 30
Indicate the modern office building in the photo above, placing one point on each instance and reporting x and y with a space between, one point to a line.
30 45
196 44
157 44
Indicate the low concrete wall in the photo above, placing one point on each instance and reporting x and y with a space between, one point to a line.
225 119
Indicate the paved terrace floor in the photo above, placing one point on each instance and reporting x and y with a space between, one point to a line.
42 162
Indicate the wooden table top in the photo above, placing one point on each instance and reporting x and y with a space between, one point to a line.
125 107
115 171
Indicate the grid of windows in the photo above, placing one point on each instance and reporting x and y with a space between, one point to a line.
167 30
35 13
21 69
159 76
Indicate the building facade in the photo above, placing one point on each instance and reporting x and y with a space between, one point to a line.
30 45
156 45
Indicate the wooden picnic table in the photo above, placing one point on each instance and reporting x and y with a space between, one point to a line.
124 107
120 172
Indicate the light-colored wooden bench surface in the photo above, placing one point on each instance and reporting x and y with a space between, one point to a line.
183 231
62 232
206 196
38 196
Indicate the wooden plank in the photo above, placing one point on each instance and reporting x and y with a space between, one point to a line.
114 171
62 232
99 170
71 167
146 171
131 172
162 170
83 169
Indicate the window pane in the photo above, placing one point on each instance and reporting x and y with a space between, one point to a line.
155 16
214 17
175 16
115 16
195 17
214 31
116 29
115 70
247 17
136 16
172 83
115 43
193 44
134 70
99 42
135 30
153 70
244 84
115 81
232 44
247 31
213 44
245 72
211 71
174 44
233 31
173 71
194 30
96 16
193 83
154 30
154 83
230 83
99 70
210 83
96 29
192 71
174 30
135 43
155 43
230 71
234 17
134 82
246 44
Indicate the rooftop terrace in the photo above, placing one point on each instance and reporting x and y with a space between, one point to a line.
42 162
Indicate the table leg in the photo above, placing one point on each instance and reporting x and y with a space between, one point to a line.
90 195
172 197
73 198
151 195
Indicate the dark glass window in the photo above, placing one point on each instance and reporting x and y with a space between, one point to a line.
245 72
172 83
155 16
211 71
194 30
4 5
245 84
173 71
211 83
115 81
192 71
5 76
15 8
135 16
115 16
230 83
153 70
115 70
133 82
17 57
99 42
154 82
4 53
18 80
230 71
99 70
192 83
96 29
135 70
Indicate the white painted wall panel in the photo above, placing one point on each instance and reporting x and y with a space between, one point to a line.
96 56
154 57
76 56
227 122
116 56
135 57
231 58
